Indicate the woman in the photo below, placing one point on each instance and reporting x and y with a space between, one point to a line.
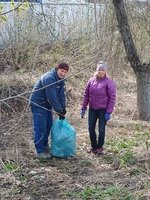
100 95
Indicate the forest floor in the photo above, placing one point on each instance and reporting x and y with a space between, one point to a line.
122 173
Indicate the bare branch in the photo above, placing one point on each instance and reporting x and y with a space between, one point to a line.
9 11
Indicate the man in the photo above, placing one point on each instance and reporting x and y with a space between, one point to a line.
48 93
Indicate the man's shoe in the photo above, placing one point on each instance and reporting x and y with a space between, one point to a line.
47 150
44 156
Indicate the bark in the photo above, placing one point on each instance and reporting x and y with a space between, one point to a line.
126 35
143 95
142 71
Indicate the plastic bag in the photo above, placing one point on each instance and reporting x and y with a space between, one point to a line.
63 139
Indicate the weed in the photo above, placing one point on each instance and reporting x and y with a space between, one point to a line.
43 160
98 193
86 163
137 127
147 185
126 143
10 166
147 142
127 158
16 190
136 171
109 159
123 150
90 192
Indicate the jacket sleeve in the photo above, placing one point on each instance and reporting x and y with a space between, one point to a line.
63 97
86 96
51 93
111 90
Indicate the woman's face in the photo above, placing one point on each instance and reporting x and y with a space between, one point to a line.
101 73
62 73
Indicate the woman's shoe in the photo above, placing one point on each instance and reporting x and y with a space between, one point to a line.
92 150
99 151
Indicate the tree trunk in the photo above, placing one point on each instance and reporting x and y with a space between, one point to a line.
142 71
143 95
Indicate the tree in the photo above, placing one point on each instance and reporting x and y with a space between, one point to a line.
142 71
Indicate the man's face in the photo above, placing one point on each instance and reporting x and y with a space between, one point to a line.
62 73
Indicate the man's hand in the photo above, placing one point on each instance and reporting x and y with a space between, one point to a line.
64 110
62 114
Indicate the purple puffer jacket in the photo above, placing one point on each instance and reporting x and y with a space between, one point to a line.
100 94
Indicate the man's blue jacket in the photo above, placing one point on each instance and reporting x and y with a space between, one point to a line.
53 93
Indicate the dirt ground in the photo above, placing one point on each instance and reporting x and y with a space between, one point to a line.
123 172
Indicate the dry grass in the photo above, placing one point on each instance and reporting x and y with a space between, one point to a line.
122 173
125 164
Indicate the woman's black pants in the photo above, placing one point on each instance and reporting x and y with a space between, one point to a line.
93 116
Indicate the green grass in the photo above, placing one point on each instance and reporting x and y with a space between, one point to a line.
126 143
127 158
98 193
136 171
122 150
10 166
86 163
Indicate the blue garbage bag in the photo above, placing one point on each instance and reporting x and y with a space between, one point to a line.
63 139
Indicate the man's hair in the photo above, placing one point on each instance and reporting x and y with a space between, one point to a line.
64 66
